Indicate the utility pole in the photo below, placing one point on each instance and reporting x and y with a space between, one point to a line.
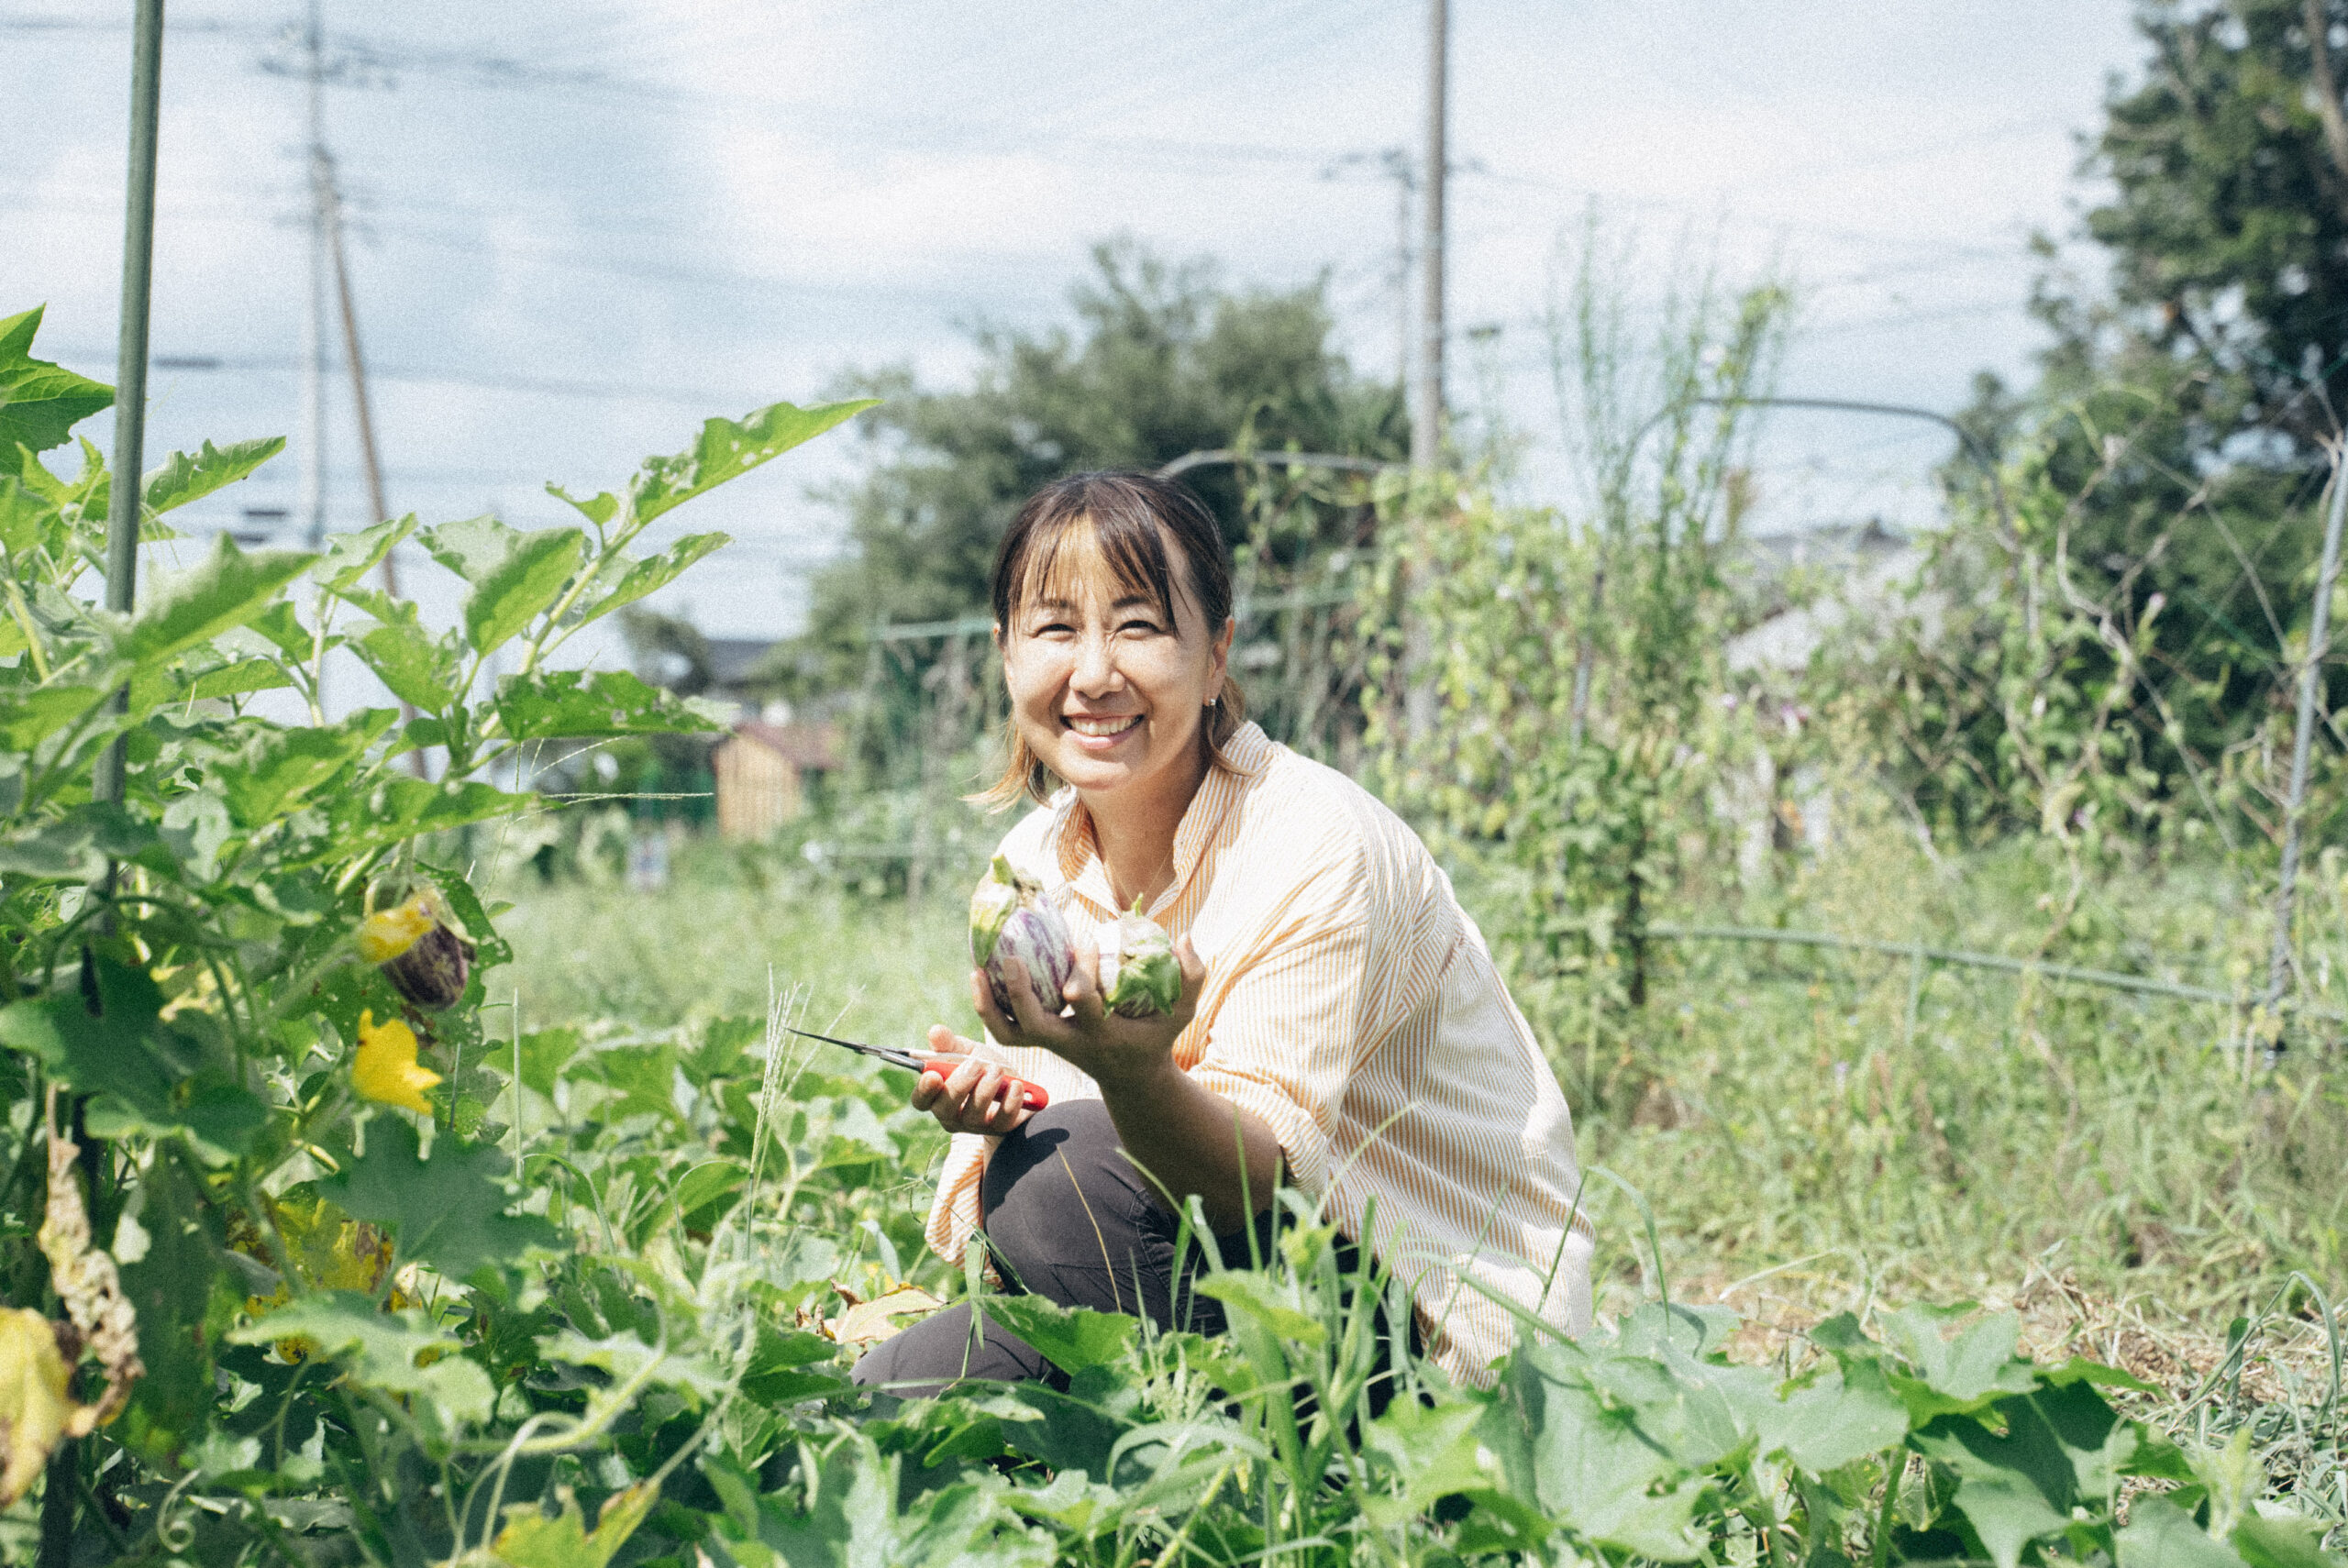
1426 418
314 330
368 462
378 511
1426 426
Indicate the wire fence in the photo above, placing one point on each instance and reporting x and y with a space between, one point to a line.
1923 956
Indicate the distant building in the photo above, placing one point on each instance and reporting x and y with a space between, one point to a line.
1861 590
1868 572
763 772
734 665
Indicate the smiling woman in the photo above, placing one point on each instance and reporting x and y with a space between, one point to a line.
1340 1027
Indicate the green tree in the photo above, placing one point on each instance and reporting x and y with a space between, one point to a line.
2228 223
2173 442
1162 359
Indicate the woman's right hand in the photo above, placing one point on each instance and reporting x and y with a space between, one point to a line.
970 1099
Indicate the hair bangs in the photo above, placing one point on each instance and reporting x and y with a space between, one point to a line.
1132 546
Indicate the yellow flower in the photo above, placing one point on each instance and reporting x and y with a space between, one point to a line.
387 933
386 1070
34 1409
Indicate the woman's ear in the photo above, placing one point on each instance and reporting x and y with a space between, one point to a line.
1218 658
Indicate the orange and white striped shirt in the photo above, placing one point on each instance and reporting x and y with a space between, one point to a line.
1351 1004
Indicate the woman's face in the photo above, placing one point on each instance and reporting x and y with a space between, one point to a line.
1106 690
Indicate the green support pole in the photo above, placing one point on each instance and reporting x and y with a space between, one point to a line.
2278 968
130 369
62 1484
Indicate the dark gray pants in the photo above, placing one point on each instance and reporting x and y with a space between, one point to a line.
1068 1217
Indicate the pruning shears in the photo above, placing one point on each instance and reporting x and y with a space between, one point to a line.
1036 1097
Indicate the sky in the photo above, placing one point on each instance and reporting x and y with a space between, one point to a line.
577 231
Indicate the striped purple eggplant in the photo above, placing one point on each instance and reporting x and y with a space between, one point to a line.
1011 918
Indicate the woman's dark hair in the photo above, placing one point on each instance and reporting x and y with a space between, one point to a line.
1131 516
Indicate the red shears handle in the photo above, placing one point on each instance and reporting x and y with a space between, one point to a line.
1036 1097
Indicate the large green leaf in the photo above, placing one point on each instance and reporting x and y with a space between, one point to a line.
239 680
514 576
2266 1542
1963 1372
780 1368
416 665
76 846
448 1211
707 1185
114 1050
278 768
28 718
1589 1460
1069 1338
530 1539
1429 1451
24 516
170 1287
2160 1535
1824 1424
727 449
396 809
1257 1298
2007 1513
195 605
643 1078
2061 1447
628 1358
564 705
350 557
382 1350
183 478
544 1054
635 579
277 629
39 403
849 1515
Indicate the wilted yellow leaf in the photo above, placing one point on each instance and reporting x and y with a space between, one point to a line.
34 1409
869 1320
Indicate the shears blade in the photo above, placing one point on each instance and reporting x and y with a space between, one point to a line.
888 1054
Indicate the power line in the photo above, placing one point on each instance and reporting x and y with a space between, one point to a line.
363 60
703 398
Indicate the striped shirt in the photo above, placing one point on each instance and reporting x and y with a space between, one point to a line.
1350 1004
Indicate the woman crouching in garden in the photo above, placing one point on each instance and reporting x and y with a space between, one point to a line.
1341 1028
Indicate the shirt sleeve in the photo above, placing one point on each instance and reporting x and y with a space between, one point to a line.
1291 1025
954 1213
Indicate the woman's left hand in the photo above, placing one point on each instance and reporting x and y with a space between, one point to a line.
1115 1051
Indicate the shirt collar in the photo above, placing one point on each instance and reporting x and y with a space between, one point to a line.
1079 852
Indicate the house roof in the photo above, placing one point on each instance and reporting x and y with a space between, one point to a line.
811 747
731 659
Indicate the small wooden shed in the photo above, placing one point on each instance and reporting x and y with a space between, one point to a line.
762 772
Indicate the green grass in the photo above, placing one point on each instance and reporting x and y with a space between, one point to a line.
1771 1103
